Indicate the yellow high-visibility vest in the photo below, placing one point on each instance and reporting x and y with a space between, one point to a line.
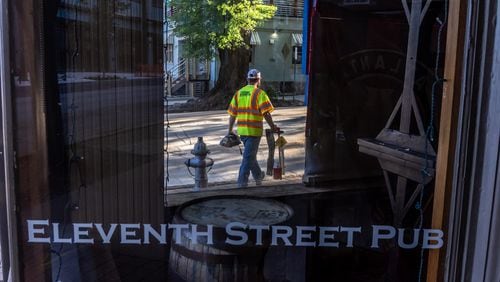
249 104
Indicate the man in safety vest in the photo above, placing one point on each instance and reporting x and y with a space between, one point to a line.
250 105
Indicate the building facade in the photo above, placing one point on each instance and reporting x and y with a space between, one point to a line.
275 46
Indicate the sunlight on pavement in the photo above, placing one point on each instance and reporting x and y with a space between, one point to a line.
185 128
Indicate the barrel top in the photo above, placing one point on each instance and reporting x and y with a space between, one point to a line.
251 211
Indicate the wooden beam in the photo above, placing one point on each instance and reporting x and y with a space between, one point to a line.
268 190
178 199
455 42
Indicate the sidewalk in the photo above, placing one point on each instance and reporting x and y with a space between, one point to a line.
212 126
182 99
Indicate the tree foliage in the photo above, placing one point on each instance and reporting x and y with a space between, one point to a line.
211 25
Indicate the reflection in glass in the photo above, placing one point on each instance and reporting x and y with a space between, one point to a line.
89 108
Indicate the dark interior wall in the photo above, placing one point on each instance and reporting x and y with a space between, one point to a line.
30 132
88 121
112 110
357 72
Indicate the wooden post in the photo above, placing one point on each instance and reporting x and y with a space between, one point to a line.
411 65
8 198
447 130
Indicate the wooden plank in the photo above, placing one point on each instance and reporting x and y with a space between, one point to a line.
150 157
261 191
159 137
138 147
389 190
375 148
125 134
78 179
416 143
157 170
412 199
447 129
92 132
410 67
137 173
81 121
418 117
154 140
107 116
144 150
387 157
28 131
93 154
394 112
108 151
400 201
402 169
94 160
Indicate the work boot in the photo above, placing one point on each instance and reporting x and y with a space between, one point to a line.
258 180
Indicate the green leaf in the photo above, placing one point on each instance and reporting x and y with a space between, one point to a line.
208 25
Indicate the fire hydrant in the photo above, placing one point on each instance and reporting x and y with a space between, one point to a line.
200 163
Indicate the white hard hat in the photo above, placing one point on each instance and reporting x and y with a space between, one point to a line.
253 73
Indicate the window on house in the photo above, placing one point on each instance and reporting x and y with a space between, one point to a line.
169 53
297 55
297 48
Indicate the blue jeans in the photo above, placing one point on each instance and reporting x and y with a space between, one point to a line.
249 162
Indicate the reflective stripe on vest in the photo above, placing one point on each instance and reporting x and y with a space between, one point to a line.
248 115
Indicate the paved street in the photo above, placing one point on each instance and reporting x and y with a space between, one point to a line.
212 126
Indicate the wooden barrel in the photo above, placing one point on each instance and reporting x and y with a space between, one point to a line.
200 261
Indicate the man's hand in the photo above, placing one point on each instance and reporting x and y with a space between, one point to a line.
272 125
275 128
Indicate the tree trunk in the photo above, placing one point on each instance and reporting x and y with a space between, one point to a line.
232 75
